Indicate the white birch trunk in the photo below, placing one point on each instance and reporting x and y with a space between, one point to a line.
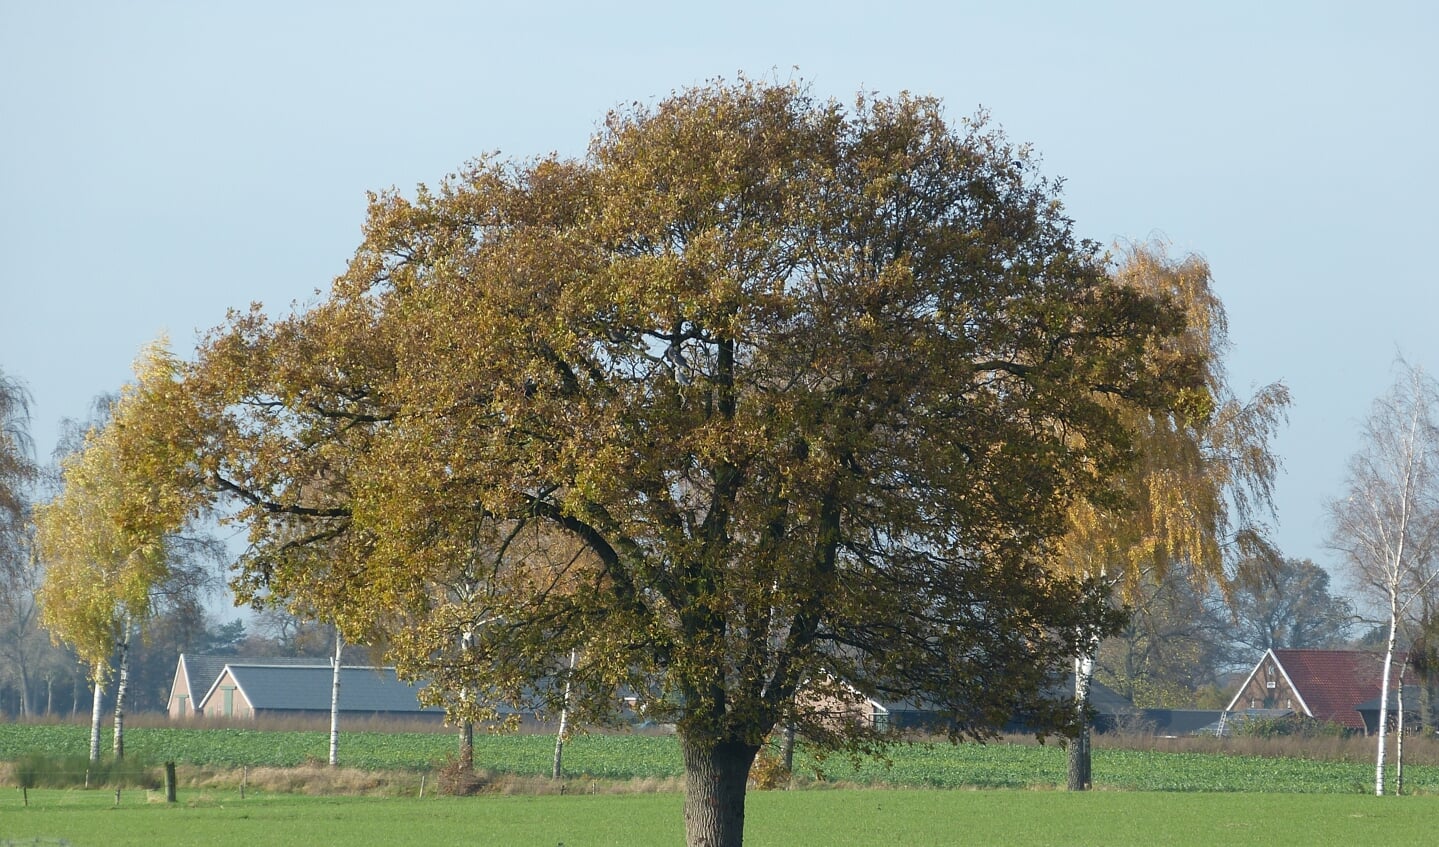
122 685
96 711
467 726
335 703
1384 695
1080 776
557 768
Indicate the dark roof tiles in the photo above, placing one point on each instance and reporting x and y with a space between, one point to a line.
307 688
1333 682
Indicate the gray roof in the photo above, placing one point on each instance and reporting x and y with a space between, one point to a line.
1102 699
203 670
1411 700
307 688
1182 721
1105 700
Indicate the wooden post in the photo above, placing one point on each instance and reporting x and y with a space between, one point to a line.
169 782
244 774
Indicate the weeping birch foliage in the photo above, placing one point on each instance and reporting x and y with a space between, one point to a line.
1194 504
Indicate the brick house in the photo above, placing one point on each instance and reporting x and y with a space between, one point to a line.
1327 685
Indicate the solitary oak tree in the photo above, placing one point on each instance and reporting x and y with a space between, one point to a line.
762 406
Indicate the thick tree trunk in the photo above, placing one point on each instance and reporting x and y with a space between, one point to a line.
122 685
335 703
96 712
715 777
1080 769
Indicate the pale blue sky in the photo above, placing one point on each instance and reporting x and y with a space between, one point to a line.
161 162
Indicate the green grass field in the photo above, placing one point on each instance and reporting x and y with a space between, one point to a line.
1145 797
779 819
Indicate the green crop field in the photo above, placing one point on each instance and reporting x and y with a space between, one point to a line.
623 757
791 819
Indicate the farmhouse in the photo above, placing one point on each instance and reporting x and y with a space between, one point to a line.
1327 685
249 688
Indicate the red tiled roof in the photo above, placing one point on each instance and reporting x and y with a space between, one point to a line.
1333 682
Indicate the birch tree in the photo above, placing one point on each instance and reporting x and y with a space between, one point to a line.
809 389
1194 503
1386 525
103 541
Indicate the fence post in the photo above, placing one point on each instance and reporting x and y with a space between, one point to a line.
169 782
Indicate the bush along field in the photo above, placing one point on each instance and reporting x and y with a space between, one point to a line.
1271 766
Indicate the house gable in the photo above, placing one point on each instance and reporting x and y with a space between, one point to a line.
182 701
1326 685
1269 686
227 698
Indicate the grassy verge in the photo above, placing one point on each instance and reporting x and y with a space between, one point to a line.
795 819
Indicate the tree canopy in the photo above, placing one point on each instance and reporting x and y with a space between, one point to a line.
102 538
762 397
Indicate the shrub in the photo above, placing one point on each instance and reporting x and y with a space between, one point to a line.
458 778
44 770
1290 726
768 771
